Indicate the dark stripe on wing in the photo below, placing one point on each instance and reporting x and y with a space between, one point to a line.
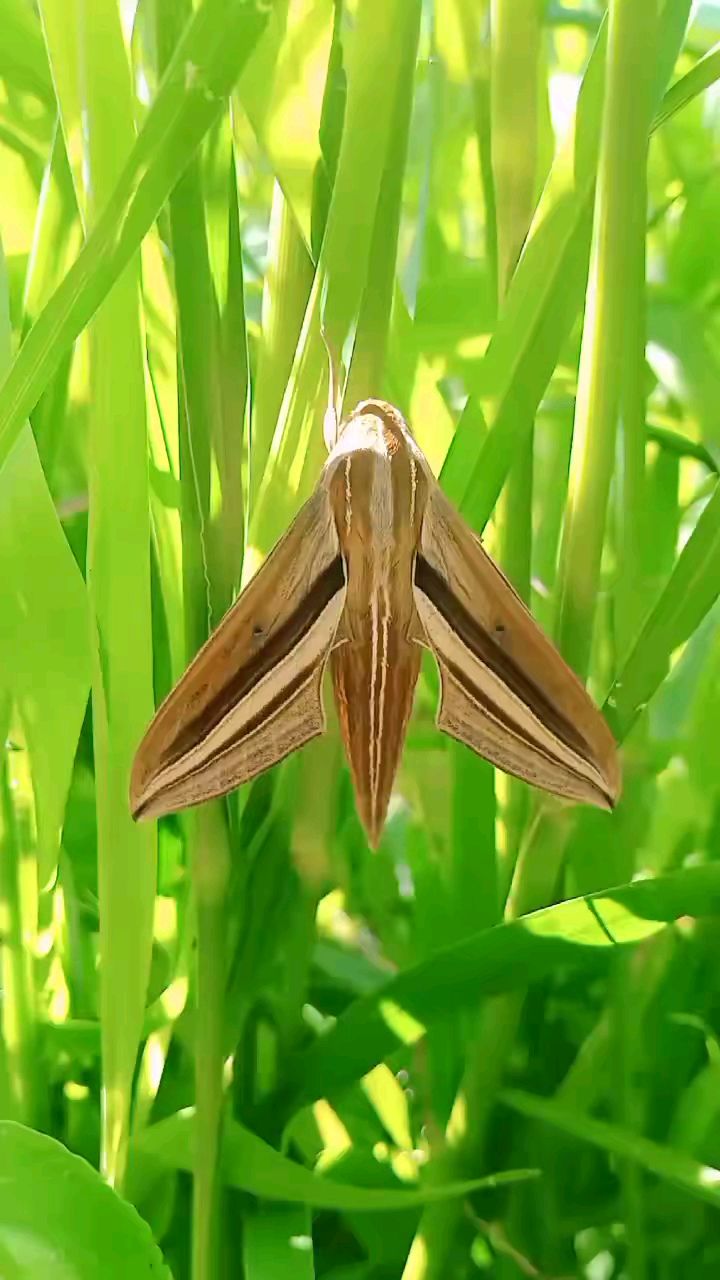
483 645
325 586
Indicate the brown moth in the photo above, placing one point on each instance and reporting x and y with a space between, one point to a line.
377 564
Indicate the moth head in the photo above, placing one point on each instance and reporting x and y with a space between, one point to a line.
373 416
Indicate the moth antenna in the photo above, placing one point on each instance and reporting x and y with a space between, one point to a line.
331 421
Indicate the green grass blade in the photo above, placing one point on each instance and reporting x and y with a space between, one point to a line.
407 988
97 86
44 597
545 294
298 448
292 57
664 1162
509 956
285 296
215 46
211 570
23 61
53 235
250 1164
619 206
704 74
535 313
227 528
692 589
515 54
367 370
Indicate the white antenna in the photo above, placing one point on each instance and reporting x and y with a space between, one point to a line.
331 421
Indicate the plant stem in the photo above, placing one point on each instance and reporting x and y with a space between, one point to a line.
211 874
18 1089
619 203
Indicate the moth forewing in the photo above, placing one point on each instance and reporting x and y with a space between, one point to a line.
375 565
506 692
253 693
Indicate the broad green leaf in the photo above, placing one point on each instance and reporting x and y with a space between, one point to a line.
59 1220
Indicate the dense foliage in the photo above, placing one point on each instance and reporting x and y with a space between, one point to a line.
492 1047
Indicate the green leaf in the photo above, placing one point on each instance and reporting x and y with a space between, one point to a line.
579 932
610 349
23 63
249 1164
292 56
277 1243
216 44
545 294
692 589
540 305
93 81
59 1220
297 450
515 51
705 72
45 636
699 1180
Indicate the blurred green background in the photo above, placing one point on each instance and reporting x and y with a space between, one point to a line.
491 1048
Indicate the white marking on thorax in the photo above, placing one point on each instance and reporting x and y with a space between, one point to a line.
382 504
382 523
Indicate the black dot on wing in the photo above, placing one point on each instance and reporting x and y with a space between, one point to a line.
258 631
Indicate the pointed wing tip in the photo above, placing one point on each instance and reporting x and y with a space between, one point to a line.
140 810
143 805
140 803
611 791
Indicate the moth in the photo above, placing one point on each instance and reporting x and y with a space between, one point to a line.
377 565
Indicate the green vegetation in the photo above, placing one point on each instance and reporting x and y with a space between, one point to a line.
493 1047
